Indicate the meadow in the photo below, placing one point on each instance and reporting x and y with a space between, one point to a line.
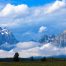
34 63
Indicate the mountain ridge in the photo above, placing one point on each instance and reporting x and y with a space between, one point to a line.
7 39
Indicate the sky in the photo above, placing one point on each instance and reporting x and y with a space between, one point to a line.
28 2
26 17
29 19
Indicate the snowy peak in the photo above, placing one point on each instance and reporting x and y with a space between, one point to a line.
64 32
7 36
60 40
5 31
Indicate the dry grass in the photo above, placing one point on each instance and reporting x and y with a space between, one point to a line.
38 63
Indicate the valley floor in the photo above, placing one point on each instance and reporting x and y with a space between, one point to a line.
34 63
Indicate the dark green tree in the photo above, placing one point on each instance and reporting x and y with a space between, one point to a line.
32 58
43 59
16 57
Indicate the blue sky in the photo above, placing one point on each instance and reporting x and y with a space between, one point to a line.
28 2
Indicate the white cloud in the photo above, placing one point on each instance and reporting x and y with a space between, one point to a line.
43 50
42 29
13 11
55 6
6 54
27 45
12 15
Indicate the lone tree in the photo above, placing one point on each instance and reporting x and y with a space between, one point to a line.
43 59
16 57
32 59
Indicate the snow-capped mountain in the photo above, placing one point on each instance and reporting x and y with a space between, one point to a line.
7 39
47 38
60 40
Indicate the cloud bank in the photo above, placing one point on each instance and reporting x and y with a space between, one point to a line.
28 49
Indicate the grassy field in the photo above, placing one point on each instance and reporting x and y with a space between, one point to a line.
36 63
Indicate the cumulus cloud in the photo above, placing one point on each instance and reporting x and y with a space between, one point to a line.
42 29
22 14
27 45
13 11
58 4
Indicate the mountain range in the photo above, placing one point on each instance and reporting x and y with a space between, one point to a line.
8 40
59 40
